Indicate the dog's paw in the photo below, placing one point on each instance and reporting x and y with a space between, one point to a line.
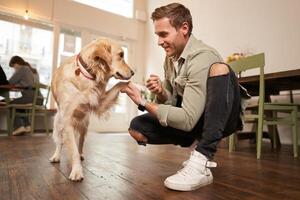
120 85
54 159
76 174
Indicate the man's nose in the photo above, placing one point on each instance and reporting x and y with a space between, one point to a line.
160 41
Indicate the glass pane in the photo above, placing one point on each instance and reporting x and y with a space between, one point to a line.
119 7
33 44
69 44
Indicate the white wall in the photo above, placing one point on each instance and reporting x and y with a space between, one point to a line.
270 26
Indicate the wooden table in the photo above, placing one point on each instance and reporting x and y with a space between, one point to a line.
274 83
4 92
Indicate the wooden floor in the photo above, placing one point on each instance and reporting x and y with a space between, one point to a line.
116 168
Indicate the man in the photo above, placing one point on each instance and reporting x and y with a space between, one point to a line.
198 100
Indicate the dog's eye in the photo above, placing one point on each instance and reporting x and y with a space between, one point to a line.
97 58
121 54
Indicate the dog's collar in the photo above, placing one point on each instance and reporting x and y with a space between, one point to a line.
83 68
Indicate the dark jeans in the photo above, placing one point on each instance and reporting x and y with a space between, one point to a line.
221 117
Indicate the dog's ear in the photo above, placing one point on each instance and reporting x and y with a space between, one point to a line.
102 54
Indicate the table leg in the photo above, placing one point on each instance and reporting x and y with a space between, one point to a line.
8 121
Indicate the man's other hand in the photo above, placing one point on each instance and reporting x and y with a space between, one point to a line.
154 84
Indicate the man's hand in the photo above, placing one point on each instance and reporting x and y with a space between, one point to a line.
133 92
154 84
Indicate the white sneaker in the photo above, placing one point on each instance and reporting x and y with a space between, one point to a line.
19 131
195 174
27 129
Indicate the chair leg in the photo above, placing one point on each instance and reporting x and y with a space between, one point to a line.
273 131
32 121
8 121
231 142
295 131
259 137
12 120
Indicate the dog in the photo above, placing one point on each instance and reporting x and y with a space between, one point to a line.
79 88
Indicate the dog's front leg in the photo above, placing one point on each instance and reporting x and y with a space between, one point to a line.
109 99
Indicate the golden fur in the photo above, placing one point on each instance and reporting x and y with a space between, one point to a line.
77 96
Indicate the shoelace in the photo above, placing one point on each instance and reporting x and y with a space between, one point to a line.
190 170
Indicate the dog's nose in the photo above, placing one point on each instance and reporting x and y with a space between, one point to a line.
132 73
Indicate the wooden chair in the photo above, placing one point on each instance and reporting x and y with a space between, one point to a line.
32 109
4 92
258 61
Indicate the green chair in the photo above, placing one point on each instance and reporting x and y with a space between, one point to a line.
32 109
4 92
261 118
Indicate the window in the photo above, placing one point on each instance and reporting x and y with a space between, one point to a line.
33 44
69 44
120 7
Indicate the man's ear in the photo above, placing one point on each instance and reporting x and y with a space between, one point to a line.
185 28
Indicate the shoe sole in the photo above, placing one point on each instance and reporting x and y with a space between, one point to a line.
27 130
20 133
178 187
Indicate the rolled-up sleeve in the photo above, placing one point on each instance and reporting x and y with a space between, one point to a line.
194 95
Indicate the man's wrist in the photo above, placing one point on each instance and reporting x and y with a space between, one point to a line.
142 105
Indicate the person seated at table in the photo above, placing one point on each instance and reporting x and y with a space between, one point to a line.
3 79
24 78
34 72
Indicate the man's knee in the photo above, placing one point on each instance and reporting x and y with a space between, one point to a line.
218 69
140 138
136 123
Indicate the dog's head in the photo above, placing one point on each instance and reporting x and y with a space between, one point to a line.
104 59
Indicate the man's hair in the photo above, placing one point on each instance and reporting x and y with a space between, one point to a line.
176 13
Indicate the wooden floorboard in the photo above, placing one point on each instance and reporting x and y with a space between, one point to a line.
116 168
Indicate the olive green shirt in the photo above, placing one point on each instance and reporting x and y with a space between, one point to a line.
186 77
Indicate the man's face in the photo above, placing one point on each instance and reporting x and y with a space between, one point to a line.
173 41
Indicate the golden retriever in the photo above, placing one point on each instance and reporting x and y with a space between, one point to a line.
79 88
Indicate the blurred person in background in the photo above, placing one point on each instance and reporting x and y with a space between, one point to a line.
24 77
